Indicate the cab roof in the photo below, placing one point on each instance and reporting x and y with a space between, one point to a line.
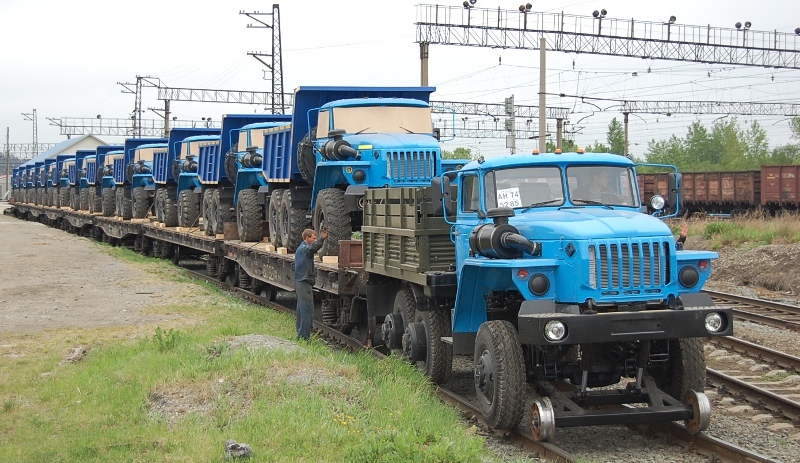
571 158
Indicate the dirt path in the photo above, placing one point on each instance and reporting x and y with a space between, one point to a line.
53 279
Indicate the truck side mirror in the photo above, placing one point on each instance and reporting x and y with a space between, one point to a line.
442 195
437 133
675 192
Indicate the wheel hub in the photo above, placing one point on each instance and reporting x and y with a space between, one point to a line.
392 331
484 375
414 342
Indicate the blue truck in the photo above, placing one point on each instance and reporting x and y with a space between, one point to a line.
216 192
549 279
36 183
118 171
139 172
183 144
65 163
79 192
100 175
341 141
50 182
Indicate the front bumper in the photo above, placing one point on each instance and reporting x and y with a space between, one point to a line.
621 326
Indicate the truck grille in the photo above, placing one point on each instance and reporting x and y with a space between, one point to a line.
630 266
410 167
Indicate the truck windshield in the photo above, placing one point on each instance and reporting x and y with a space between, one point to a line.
602 184
383 119
524 187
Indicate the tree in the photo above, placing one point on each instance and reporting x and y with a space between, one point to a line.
795 126
566 146
458 153
616 137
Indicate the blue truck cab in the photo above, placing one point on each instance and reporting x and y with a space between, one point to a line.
37 183
139 171
215 163
100 178
79 192
51 182
166 171
108 164
562 276
65 163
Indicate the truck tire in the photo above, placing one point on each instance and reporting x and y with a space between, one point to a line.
141 203
158 205
74 201
170 209
332 213
249 219
83 199
224 213
438 363
499 372
208 212
685 371
109 202
63 197
274 218
95 200
124 204
188 209
293 222
306 159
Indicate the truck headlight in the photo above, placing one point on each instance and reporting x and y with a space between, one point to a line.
657 202
688 277
714 322
556 330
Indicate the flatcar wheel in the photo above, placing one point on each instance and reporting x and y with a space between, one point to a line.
543 420
269 292
701 412
499 373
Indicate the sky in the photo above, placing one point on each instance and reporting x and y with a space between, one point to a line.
65 59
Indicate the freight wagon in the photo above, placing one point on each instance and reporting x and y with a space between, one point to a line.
769 190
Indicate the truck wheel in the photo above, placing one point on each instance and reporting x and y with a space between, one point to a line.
274 218
422 343
188 209
394 324
306 159
499 373
73 199
224 213
208 212
125 204
108 202
170 209
248 216
332 214
293 222
141 203
83 199
158 204
63 197
686 369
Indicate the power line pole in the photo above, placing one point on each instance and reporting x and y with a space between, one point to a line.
32 117
136 89
275 65
8 159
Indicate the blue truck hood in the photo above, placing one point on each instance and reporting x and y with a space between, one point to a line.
392 140
587 224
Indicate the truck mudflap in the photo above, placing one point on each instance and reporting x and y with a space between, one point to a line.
689 322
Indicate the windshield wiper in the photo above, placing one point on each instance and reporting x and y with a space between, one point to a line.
541 203
365 128
409 131
593 203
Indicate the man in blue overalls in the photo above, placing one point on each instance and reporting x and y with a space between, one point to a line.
304 279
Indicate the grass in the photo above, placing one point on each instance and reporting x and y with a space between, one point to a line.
177 392
749 230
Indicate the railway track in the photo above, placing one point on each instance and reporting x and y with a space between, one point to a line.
769 313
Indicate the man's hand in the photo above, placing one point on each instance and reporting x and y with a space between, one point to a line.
684 228
323 233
